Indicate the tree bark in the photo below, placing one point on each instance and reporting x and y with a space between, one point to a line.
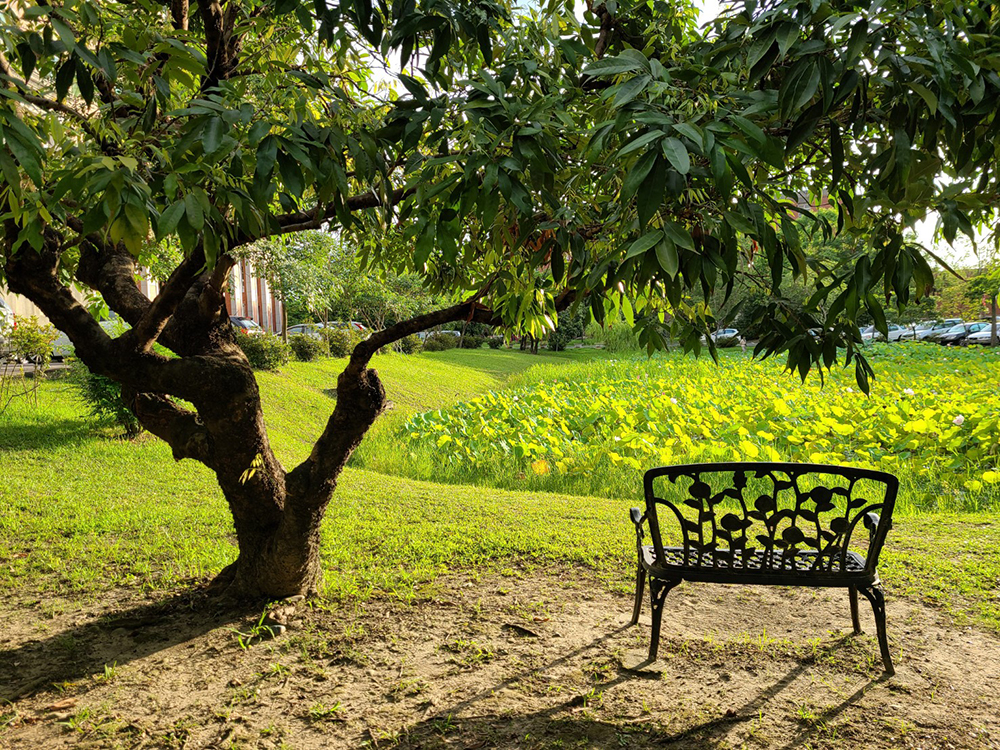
993 320
276 514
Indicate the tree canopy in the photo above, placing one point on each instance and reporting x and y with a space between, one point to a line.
524 161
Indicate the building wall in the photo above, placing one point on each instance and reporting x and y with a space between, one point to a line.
249 296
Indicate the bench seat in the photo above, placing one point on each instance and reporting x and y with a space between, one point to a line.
722 565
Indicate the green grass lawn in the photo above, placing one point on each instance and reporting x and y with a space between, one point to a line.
82 512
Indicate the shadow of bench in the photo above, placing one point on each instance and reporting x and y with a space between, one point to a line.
780 524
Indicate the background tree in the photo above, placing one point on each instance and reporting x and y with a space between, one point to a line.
986 286
520 163
302 269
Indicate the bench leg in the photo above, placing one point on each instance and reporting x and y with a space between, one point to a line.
658 590
640 584
854 609
877 598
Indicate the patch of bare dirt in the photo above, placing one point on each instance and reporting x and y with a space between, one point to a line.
503 662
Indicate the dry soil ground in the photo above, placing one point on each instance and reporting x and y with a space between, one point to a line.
528 660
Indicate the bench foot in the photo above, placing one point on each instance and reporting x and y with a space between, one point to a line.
854 610
658 590
877 598
640 584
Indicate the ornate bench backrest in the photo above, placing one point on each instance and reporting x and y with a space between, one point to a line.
730 513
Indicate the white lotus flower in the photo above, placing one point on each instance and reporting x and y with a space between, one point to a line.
959 420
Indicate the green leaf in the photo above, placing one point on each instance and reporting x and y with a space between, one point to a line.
859 35
739 222
691 131
193 212
836 155
629 90
64 32
639 142
649 199
638 173
666 255
611 66
927 95
291 174
211 138
643 244
799 87
25 156
678 234
84 82
676 154
64 78
169 218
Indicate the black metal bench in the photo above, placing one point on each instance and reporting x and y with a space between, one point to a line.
766 523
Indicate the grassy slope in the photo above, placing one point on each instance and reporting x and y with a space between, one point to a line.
80 512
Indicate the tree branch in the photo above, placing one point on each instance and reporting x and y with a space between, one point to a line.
179 14
179 428
148 328
299 221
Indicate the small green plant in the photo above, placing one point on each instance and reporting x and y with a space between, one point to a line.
495 342
255 634
265 352
322 712
103 399
32 341
307 348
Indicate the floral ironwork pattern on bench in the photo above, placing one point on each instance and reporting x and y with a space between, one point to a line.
766 523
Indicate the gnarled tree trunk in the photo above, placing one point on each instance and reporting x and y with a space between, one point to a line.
276 513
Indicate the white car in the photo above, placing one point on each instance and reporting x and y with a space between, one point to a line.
895 333
305 329
725 337
982 337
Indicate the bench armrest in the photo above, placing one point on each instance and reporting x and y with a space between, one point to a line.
871 521
638 518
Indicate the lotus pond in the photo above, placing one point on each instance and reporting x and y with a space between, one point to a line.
592 428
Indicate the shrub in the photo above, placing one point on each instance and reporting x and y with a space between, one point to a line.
439 342
341 341
570 327
103 399
410 344
265 352
495 342
617 337
472 341
307 348
32 341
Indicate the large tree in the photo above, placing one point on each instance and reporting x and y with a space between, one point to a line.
519 163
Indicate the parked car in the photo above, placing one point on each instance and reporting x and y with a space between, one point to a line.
246 325
305 329
957 334
894 331
982 337
725 337
914 330
939 329
7 324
